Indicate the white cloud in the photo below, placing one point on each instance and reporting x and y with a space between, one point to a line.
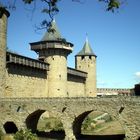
137 74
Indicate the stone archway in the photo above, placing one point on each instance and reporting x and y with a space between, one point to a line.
78 122
32 120
10 127
49 127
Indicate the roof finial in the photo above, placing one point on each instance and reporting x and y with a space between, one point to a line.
86 37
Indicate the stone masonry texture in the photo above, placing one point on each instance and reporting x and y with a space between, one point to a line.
22 112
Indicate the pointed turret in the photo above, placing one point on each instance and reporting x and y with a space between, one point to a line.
86 50
51 40
86 61
53 49
53 34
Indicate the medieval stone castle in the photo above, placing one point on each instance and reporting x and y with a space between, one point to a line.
48 76
27 86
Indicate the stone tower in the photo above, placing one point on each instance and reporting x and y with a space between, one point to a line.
3 35
86 61
53 49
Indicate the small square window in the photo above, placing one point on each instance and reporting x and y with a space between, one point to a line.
82 57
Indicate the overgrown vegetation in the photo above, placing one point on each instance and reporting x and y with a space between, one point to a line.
51 7
51 124
25 135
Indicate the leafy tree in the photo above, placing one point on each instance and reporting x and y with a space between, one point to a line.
51 7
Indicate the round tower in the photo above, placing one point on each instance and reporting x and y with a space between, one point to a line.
86 61
3 41
53 49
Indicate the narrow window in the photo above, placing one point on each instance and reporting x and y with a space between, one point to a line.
82 57
90 57
60 76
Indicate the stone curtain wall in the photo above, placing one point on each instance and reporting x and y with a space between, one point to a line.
24 81
68 110
75 89
24 86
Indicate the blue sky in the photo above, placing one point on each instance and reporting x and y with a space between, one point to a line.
114 37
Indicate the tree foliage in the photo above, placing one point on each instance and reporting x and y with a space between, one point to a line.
111 4
25 135
50 7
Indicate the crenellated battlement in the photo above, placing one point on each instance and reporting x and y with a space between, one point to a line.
114 91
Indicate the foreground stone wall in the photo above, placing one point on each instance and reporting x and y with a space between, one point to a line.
71 112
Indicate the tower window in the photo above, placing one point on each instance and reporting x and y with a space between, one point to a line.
82 57
90 57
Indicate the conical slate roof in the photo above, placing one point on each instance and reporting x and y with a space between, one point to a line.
86 50
53 34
